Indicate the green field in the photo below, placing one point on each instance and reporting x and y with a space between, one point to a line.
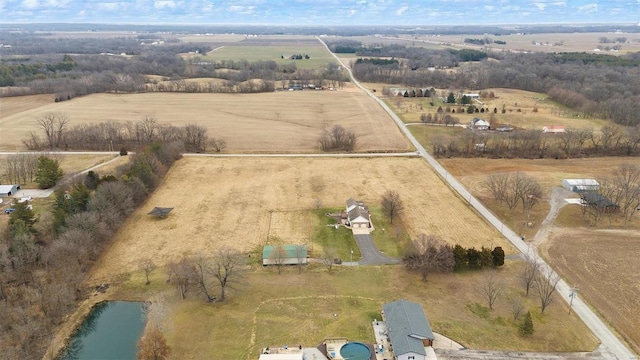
318 55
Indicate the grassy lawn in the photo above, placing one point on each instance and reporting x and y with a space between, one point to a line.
324 236
425 133
318 55
268 309
390 239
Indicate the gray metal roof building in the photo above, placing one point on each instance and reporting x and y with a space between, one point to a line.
408 327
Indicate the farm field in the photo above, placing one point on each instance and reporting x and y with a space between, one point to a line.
287 121
602 263
227 202
263 50
549 42
72 164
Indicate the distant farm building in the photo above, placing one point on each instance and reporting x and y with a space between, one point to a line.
598 202
9 190
357 214
479 124
472 96
291 255
553 129
580 185
408 329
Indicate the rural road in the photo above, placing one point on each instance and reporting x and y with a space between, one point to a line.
610 343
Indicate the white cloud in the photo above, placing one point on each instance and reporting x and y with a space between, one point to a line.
57 3
561 3
107 6
489 7
354 11
588 8
162 4
241 9
30 4
401 10
540 6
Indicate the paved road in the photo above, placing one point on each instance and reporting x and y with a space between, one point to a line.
317 155
370 254
610 343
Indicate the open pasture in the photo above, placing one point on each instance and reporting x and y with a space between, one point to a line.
603 265
227 202
285 121
70 164
279 52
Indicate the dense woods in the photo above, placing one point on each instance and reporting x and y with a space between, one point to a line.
44 258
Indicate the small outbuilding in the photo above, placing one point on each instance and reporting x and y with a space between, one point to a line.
580 185
599 202
553 129
479 124
9 190
408 329
160 212
292 255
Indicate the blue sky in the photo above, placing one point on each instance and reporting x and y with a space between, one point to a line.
321 12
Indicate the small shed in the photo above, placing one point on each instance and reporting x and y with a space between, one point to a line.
479 124
292 255
9 190
160 211
599 202
580 185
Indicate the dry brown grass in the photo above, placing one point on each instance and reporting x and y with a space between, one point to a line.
288 121
603 264
597 259
227 202
16 104
72 164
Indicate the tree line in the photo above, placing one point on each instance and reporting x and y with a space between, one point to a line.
43 258
611 140
114 135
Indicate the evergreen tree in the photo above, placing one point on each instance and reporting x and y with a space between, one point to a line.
498 256
451 99
22 219
92 180
460 258
526 327
48 172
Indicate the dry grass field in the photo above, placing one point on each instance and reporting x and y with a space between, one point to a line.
287 121
550 42
600 260
603 264
289 227
519 106
228 202
72 164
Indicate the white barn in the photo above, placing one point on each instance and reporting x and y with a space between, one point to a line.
580 185
9 190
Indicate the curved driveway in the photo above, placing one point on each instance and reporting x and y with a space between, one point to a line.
610 343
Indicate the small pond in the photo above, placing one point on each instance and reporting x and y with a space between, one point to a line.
111 331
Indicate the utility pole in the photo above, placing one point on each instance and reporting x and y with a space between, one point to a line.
572 294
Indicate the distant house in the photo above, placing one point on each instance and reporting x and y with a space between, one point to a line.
472 96
408 329
292 255
580 185
553 129
357 214
504 128
9 190
599 202
479 124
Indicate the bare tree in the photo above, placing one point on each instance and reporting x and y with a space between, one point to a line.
546 281
392 204
338 138
529 273
329 255
146 129
429 254
278 257
491 288
53 124
300 256
227 269
199 276
181 272
516 308
219 145
195 138
147 265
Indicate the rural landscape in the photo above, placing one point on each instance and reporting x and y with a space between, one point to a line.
209 177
